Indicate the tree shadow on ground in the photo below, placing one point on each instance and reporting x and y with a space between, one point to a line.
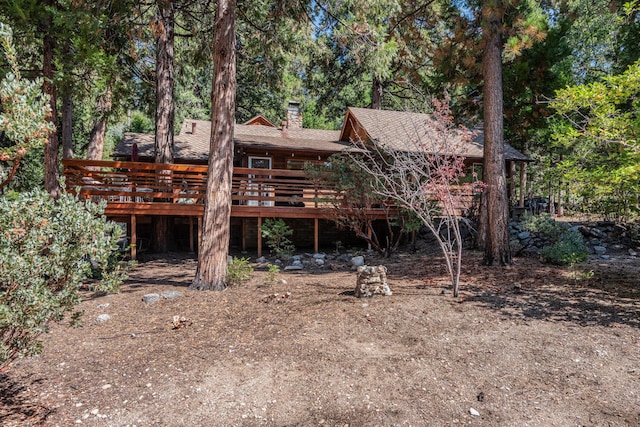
549 293
608 296
17 406
583 308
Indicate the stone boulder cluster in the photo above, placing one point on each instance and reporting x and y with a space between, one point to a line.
316 260
603 239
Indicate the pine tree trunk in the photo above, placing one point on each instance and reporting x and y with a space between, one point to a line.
214 246
67 127
99 130
496 247
376 94
165 108
51 157
165 65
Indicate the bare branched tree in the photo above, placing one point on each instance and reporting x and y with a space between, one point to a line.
354 205
421 171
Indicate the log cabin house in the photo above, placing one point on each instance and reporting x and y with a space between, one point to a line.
268 176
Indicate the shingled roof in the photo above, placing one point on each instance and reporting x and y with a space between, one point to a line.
407 131
192 143
398 130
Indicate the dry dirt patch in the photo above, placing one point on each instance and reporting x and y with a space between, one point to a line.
525 345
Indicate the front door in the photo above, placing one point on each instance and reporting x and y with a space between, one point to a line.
259 190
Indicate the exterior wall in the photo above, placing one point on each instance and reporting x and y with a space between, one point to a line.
279 159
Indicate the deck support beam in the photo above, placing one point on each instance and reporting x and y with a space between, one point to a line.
134 238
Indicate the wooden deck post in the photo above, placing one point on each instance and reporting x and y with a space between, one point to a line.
316 245
259 237
134 238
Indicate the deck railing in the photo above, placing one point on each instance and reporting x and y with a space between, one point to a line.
138 182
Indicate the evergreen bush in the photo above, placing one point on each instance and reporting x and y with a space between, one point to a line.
276 232
567 246
569 249
238 271
48 248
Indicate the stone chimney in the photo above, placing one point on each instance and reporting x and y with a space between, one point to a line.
294 115
193 128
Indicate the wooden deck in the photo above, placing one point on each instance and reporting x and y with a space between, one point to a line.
133 189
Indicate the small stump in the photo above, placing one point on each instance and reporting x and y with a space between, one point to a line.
372 280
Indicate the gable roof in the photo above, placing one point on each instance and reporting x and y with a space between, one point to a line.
259 120
408 131
398 130
192 143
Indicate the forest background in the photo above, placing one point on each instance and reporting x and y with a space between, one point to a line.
570 76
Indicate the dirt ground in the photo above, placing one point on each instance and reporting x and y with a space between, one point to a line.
527 345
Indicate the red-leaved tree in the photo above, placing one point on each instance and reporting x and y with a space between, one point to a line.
422 171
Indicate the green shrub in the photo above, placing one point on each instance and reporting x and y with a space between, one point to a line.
567 246
47 249
238 271
276 232
569 249
545 226
272 274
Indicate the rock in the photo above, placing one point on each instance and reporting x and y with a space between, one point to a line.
296 258
229 259
345 257
103 306
632 252
171 294
320 256
599 250
261 259
357 261
605 256
596 232
103 318
319 261
595 242
474 412
282 282
532 250
297 262
293 267
524 235
150 298
277 261
372 280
